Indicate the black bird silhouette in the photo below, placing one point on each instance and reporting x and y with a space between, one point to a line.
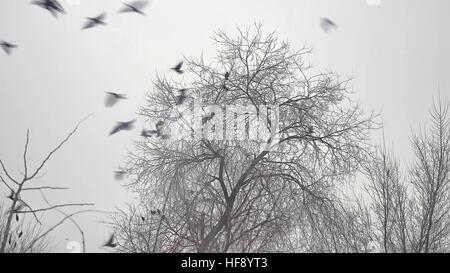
143 218
207 118
327 24
112 98
227 75
95 21
178 67
20 234
182 97
11 196
7 47
119 175
135 6
53 6
123 126
110 242
17 217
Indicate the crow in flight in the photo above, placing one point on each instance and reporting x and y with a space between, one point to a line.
95 21
7 47
123 126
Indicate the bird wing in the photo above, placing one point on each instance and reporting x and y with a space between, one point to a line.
139 4
116 129
101 17
110 100
89 24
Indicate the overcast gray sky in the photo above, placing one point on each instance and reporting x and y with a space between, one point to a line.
396 52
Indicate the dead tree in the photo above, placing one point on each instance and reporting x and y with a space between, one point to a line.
16 186
227 194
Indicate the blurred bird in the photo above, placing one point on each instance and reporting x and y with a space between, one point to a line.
227 75
112 98
123 126
20 234
207 118
182 97
53 6
119 175
110 242
135 6
11 196
327 24
7 47
95 21
178 67
143 218
153 212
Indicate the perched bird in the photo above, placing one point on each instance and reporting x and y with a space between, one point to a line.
53 6
110 242
227 75
20 234
7 47
182 97
178 67
95 21
135 6
123 126
207 118
143 218
112 98
119 175
327 24
17 217
11 196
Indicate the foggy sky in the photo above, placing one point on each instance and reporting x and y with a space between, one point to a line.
397 54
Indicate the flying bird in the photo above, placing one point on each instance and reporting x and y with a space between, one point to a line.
327 25
95 21
110 242
53 6
178 67
112 98
123 126
182 97
7 47
136 6
119 175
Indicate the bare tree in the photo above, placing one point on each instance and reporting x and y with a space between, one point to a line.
229 195
20 207
431 181
411 213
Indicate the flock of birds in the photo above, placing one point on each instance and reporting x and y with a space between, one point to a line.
112 98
